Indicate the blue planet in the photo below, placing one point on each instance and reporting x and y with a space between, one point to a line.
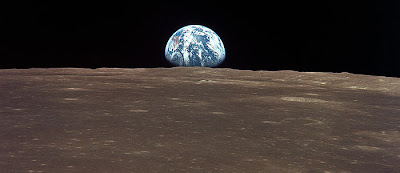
195 45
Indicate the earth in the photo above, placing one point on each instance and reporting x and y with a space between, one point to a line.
195 45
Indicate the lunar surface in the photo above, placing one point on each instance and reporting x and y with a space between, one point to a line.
196 119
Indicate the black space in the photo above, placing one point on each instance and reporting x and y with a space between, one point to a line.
333 36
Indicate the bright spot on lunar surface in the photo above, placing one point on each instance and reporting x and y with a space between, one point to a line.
195 45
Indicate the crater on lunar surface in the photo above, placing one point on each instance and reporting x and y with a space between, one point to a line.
302 99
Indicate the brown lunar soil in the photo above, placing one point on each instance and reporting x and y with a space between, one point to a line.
197 120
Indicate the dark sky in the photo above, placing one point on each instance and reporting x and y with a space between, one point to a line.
335 36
